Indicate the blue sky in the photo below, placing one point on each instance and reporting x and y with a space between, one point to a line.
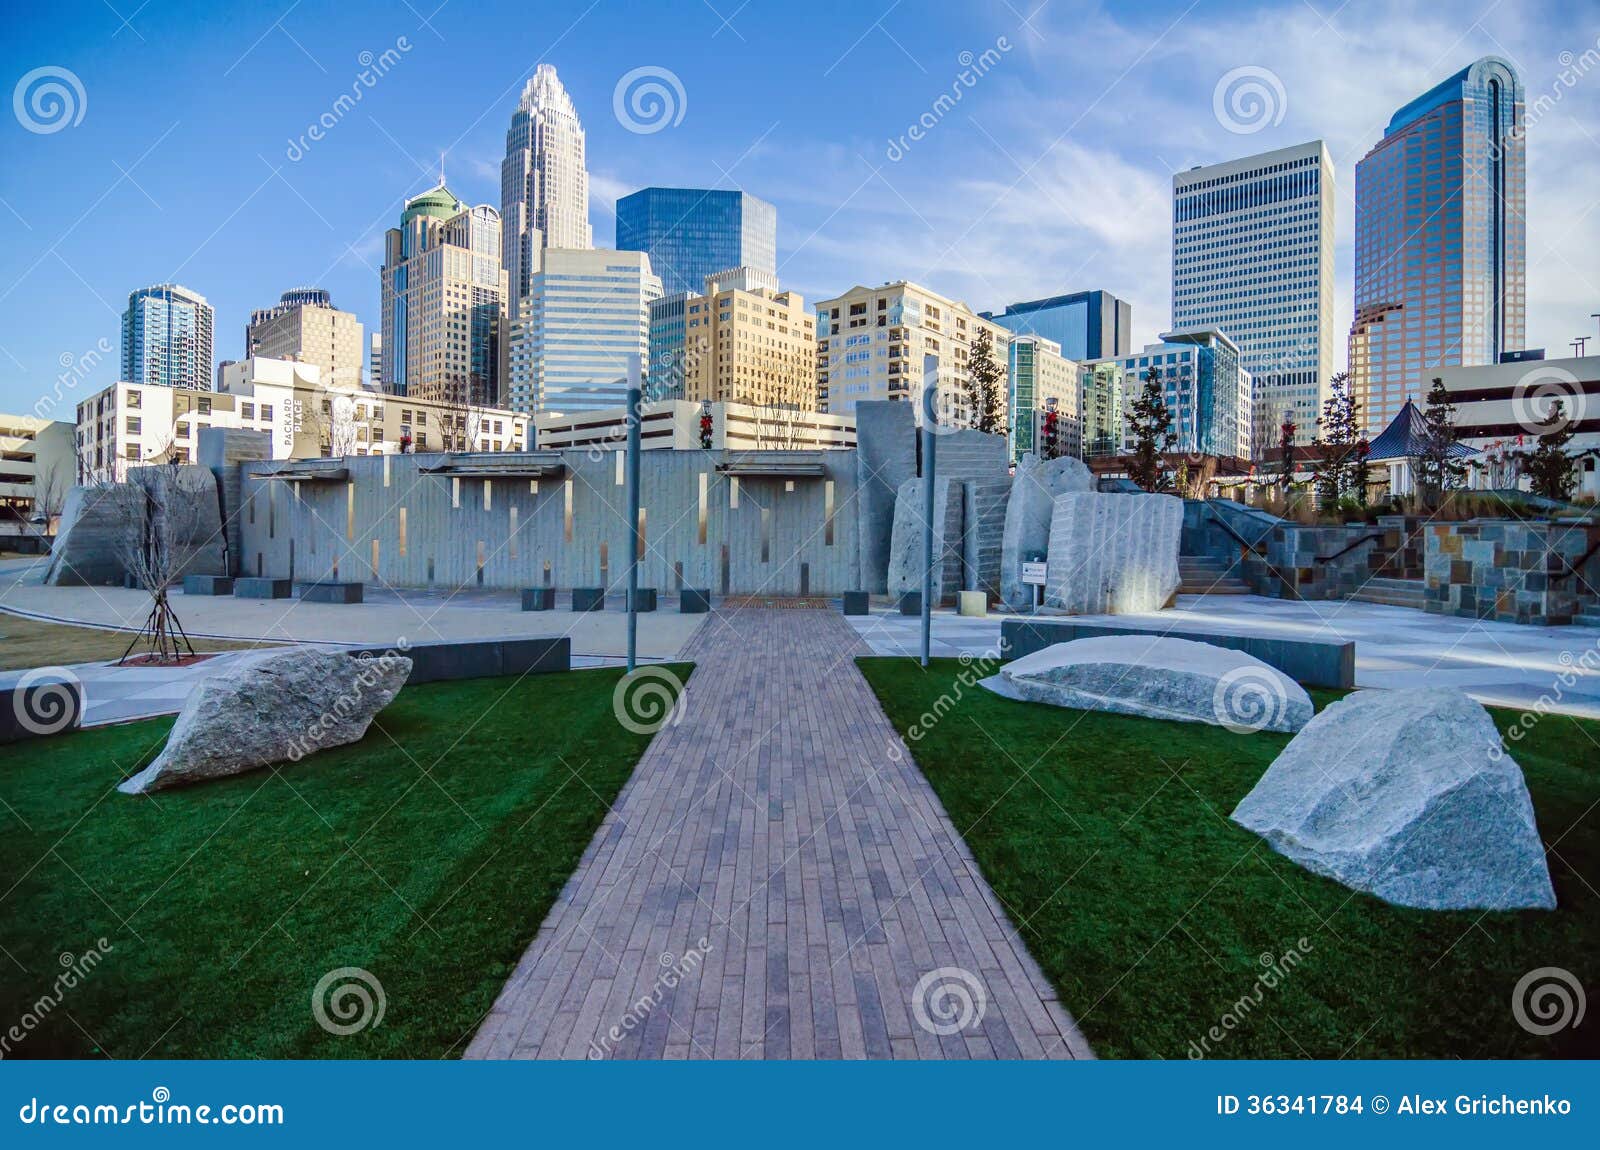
1052 173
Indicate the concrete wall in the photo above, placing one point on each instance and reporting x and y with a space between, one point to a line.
220 450
390 523
886 456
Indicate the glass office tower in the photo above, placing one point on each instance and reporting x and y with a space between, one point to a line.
691 233
166 338
1087 324
1441 249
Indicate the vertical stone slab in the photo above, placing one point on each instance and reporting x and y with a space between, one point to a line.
983 528
1027 517
886 456
222 449
905 557
1113 553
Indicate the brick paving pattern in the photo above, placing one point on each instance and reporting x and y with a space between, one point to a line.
782 820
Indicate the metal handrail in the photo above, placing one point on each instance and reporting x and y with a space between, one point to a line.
1368 538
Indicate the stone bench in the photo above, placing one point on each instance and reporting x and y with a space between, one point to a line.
911 603
207 585
255 587
856 603
479 658
588 598
1313 662
646 600
51 704
332 592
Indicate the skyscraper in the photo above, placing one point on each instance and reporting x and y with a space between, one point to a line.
691 233
544 181
306 327
587 311
1441 249
1203 383
1087 324
166 338
1252 257
444 302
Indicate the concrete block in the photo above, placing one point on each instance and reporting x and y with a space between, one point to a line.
974 603
646 600
856 602
538 598
251 587
911 603
324 592
694 602
588 598
41 704
207 585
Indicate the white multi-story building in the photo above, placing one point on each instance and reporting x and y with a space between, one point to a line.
1041 381
1252 257
1203 384
871 343
544 181
37 469
587 312
132 425
688 426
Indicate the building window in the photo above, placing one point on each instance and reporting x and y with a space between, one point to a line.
266 411
133 424
134 399
205 405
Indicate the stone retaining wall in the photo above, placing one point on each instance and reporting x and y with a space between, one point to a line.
1510 570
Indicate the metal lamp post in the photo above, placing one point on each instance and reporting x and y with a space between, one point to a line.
930 418
635 537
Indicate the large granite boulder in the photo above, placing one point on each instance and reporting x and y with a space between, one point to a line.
905 552
1113 553
273 708
1160 678
1408 795
1028 510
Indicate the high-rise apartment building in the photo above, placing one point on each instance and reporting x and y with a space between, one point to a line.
1100 407
692 233
544 181
870 344
1252 257
306 327
444 302
1086 324
587 311
1441 248
375 360
167 338
1204 385
756 347
1041 380
664 370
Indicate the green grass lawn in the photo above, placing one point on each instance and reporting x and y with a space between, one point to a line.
427 854
1107 838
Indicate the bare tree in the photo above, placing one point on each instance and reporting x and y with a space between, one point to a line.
165 527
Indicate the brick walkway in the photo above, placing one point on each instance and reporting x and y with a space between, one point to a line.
783 821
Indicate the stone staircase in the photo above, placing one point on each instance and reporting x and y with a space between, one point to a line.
1203 575
1392 592
1588 615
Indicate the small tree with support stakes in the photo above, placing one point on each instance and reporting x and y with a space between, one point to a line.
985 375
157 542
1150 422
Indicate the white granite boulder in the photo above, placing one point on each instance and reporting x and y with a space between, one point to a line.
274 708
1113 553
1407 795
1028 511
1158 677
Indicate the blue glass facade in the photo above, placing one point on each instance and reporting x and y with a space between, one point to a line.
1087 324
166 338
690 233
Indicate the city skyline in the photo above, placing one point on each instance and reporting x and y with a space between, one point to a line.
1086 207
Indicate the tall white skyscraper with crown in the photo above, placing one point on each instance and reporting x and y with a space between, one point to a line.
544 180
